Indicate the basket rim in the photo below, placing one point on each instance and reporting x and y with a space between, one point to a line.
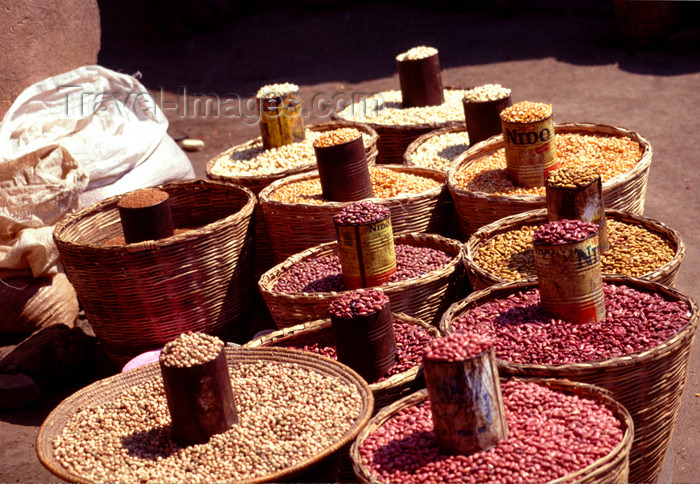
182 238
152 370
567 127
269 177
477 240
285 334
270 278
617 362
415 144
405 127
599 394
438 175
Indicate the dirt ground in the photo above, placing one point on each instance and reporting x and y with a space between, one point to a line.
569 54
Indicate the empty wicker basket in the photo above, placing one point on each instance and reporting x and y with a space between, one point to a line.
476 209
649 383
139 296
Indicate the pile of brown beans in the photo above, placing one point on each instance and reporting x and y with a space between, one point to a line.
610 156
635 321
324 274
362 212
458 347
551 435
563 232
287 413
572 177
358 303
411 340
190 349
634 251
386 183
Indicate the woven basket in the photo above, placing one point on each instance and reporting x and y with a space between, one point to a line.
264 257
648 383
294 227
106 390
613 468
475 209
394 139
481 278
409 154
138 297
424 297
385 392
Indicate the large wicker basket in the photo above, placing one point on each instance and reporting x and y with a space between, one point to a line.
480 278
105 391
648 383
475 209
385 392
294 227
410 153
264 256
613 468
424 297
394 139
139 296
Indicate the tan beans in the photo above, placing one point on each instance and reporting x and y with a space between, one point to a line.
634 251
526 112
384 108
287 413
439 152
487 92
610 156
336 137
190 349
254 160
552 434
274 90
572 177
386 183
416 53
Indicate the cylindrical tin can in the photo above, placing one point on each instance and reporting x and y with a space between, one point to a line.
482 118
367 343
200 400
530 151
343 171
366 251
281 120
466 403
421 82
570 280
579 202
146 215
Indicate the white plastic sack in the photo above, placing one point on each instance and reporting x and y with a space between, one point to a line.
107 121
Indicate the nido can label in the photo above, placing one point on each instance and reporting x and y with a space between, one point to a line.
366 252
570 280
531 151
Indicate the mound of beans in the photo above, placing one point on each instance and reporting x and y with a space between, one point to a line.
362 212
551 435
254 160
386 183
358 303
411 340
190 349
523 333
610 156
417 53
336 137
572 177
458 347
634 251
487 92
287 414
281 89
563 232
439 151
384 108
324 274
526 112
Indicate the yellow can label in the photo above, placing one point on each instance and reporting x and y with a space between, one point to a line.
366 253
531 151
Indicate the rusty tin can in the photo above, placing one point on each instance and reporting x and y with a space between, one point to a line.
421 82
343 171
530 151
570 280
281 120
482 118
146 215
